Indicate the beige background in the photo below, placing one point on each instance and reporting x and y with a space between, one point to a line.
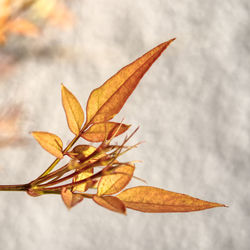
193 108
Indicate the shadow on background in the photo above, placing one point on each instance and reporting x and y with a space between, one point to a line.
23 36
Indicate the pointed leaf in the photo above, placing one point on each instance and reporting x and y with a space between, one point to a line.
73 110
114 183
70 199
101 131
106 101
110 202
50 142
156 200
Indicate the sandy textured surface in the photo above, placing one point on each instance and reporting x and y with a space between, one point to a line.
193 108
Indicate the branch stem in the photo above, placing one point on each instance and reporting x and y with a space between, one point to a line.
20 187
56 161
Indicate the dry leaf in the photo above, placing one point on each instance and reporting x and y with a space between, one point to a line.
114 183
85 186
81 152
106 101
156 200
85 150
101 131
50 142
73 110
110 202
70 199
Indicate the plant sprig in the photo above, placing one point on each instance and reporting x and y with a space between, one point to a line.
98 167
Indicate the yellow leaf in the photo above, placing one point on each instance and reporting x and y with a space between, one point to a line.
110 202
83 151
106 101
114 183
156 200
70 199
101 131
50 142
83 187
23 27
73 110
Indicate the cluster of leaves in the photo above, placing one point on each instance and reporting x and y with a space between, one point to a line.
98 167
25 17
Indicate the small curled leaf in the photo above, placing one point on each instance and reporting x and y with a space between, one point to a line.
101 131
70 199
156 200
110 202
115 182
50 142
81 152
73 111
83 187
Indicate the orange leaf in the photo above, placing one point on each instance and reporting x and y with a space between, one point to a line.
23 27
156 200
73 110
114 183
101 131
110 202
106 101
50 142
83 187
70 199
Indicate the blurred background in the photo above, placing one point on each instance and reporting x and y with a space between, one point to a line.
193 109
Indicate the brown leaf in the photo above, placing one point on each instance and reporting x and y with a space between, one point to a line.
110 202
156 200
81 152
73 110
50 142
106 101
114 183
70 199
101 131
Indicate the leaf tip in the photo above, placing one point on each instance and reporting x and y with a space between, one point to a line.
222 205
167 43
62 85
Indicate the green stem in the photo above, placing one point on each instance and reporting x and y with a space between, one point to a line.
56 161
21 187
